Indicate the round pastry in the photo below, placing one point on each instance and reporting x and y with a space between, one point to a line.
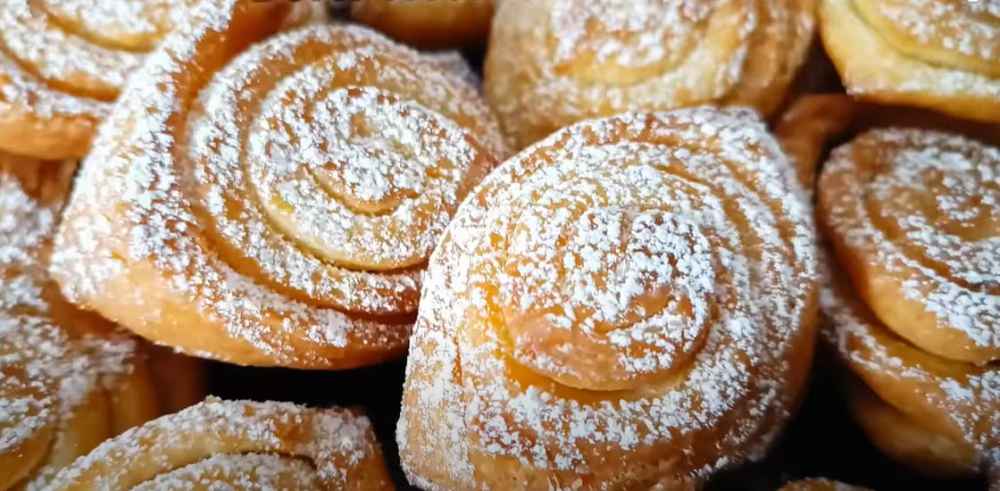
237 445
938 54
820 485
428 24
914 217
273 204
68 380
553 62
939 416
630 302
807 125
63 63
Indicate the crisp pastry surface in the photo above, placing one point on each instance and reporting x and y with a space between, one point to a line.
914 216
237 445
67 379
554 62
278 209
939 54
428 24
622 305
947 401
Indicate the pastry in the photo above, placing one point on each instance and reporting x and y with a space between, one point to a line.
553 62
807 125
939 416
63 63
913 216
937 54
68 380
250 445
630 302
820 485
428 24
273 204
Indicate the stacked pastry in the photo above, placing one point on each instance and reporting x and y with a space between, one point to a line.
913 216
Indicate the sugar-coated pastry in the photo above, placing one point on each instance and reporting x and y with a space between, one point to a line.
429 24
273 204
938 54
553 62
914 217
68 380
630 302
820 485
237 445
939 416
806 126
63 63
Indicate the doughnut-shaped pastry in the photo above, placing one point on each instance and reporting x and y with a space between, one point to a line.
820 485
273 204
630 302
428 24
914 217
63 63
237 445
554 62
939 416
938 54
67 380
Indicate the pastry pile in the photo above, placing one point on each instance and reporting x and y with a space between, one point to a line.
607 257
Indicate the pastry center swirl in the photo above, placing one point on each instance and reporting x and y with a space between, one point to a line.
633 287
132 25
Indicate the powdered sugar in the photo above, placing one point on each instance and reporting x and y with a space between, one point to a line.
267 208
229 435
630 236
969 28
926 206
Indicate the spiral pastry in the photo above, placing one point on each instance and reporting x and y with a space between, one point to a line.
237 445
67 379
428 24
63 62
914 216
277 205
939 416
553 62
938 54
629 302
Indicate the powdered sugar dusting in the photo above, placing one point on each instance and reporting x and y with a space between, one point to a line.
969 28
926 206
49 368
310 179
629 236
177 447
554 62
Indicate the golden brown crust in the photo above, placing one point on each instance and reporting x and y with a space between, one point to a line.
553 62
249 445
902 52
820 485
299 187
428 24
578 327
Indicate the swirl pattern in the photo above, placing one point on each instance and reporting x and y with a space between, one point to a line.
938 54
555 62
67 380
914 216
279 208
252 445
623 304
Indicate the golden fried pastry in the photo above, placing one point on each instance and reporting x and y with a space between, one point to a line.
807 125
273 204
63 62
428 24
630 302
237 445
820 485
939 416
68 380
938 54
914 217
553 62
